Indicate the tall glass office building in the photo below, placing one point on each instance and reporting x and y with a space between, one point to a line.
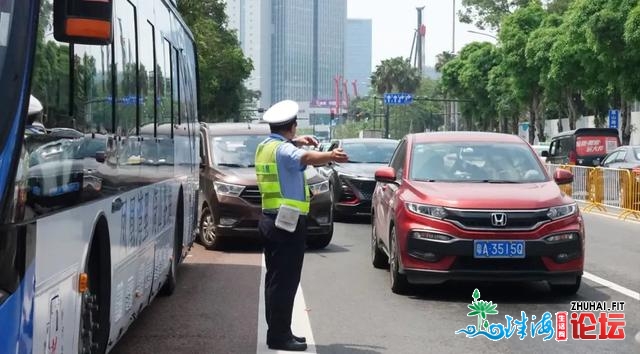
292 50
307 48
331 22
358 45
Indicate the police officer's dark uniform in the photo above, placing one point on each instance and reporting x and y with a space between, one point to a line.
284 191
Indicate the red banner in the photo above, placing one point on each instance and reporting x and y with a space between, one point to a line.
595 145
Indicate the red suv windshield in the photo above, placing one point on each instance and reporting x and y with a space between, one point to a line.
475 162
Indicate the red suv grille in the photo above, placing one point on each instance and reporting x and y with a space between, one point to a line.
483 220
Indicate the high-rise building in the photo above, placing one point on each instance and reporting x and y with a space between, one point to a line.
292 53
252 21
297 46
331 21
358 45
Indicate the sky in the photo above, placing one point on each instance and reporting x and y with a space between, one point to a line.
394 21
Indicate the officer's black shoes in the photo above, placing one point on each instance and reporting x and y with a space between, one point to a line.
289 345
300 339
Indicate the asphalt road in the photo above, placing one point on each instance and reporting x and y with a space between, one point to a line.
352 310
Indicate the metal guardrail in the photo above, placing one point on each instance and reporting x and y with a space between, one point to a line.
604 188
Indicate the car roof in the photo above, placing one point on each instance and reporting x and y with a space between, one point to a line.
466 136
588 131
237 129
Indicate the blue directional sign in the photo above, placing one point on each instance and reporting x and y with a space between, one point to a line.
398 98
614 118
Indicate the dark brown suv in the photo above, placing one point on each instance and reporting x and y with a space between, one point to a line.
229 191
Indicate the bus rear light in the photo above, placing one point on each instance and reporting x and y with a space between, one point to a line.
83 22
89 28
83 283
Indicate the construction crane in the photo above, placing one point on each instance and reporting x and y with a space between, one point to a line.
345 92
418 43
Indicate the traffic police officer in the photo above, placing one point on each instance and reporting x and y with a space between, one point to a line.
35 117
280 165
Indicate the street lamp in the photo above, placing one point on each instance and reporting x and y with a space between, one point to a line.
483 34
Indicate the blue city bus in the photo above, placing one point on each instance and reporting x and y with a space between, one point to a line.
98 183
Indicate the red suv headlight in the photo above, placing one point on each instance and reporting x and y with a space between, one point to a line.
431 211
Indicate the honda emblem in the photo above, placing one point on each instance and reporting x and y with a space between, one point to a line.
499 219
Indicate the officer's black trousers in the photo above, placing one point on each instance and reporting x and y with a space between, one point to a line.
284 255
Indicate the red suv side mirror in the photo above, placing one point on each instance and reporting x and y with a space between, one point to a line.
386 175
562 177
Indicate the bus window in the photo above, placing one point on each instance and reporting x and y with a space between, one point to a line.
163 49
51 79
147 74
126 63
175 96
93 104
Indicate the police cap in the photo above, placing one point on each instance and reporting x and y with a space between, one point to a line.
34 106
281 113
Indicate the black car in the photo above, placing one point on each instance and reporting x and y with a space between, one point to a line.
353 182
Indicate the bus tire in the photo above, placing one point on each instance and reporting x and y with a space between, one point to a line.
94 310
169 287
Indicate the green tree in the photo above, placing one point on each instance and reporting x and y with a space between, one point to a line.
537 54
488 13
221 63
514 37
419 116
467 76
501 89
395 74
606 29
442 59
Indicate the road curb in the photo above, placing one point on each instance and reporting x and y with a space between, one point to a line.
630 219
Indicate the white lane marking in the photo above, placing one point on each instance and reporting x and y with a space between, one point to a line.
300 324
638 337
613 286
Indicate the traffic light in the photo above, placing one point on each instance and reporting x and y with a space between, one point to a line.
333 115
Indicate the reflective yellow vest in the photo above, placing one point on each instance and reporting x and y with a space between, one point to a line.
269 183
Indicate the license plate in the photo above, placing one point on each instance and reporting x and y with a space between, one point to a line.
498 249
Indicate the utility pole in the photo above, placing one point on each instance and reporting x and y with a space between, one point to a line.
375 100
386 122
420 41
453 36
454 105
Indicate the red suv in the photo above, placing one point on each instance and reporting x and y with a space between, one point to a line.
474 206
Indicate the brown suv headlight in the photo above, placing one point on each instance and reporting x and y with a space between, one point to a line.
319 188
228 189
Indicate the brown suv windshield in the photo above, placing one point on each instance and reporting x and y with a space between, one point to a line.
235 150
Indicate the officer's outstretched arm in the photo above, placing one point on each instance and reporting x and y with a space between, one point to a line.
317 158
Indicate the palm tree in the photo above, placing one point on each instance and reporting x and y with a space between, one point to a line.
395 74
442 59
